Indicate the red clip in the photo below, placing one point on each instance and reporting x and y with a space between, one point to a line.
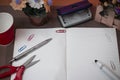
61 31
30 37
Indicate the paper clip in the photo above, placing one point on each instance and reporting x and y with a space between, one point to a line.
30 37
22 48
60 31
112 65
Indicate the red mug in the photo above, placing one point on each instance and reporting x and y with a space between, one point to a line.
6 28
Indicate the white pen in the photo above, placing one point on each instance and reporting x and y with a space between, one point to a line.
112 75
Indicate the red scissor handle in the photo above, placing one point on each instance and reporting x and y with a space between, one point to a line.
19 73
11 70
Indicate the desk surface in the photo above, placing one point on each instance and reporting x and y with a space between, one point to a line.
22 21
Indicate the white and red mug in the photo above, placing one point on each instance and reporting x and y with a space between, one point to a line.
6 28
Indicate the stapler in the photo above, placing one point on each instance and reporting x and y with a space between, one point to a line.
75 13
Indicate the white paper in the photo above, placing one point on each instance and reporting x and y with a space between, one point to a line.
70 54
86 45
52 55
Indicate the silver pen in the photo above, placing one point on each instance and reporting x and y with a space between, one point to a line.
107 70
23 54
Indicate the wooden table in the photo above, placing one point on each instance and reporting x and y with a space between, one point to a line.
22 21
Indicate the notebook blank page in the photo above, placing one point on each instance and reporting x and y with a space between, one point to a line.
84 45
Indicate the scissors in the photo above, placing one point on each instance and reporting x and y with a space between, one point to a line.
19 70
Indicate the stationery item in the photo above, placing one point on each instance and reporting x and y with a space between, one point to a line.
74 7
75 18
6 28
19 70
75 13
71 53
107 70
22 48
112 65
60 31
30 37
31 49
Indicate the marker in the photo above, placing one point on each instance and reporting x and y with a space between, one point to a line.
112 75
23 54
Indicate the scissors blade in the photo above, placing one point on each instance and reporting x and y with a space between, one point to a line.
29 60
31 49
32 63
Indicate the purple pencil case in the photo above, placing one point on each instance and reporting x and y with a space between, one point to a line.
74 7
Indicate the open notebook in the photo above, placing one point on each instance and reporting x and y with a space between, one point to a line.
70 54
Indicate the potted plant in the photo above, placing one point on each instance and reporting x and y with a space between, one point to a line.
36 10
